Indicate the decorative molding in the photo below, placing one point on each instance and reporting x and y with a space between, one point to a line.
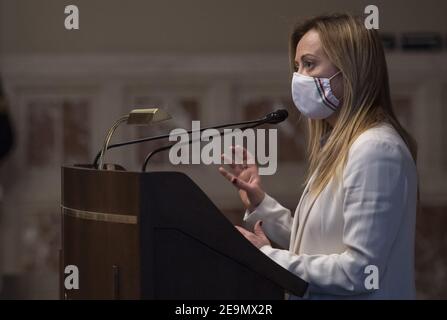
107 65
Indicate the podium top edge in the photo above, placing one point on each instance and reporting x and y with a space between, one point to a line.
89 168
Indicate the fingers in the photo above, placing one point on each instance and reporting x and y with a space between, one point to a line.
241 152
241 184
226 174
247 234
227 160
258 228
242 159
237 168
235 181
258 240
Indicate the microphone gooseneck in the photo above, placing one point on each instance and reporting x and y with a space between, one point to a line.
271 118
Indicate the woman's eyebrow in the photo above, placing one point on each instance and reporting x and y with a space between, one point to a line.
308 55
304 56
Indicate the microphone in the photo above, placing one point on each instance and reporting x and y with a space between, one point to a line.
277 116
271 118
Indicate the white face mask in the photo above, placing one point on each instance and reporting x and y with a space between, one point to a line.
313 96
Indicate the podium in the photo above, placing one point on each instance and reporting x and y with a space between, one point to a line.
156 235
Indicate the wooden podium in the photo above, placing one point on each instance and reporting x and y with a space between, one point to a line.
156 235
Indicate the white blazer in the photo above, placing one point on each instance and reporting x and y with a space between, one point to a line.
367 218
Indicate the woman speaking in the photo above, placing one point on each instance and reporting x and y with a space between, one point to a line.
356 217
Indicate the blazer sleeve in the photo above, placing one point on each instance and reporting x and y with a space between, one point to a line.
375 184
277 220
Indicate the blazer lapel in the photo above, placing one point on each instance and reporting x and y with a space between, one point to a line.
296 219
307 207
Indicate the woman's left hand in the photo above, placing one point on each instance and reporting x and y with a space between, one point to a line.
258 237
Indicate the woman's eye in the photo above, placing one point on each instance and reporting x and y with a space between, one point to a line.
308 64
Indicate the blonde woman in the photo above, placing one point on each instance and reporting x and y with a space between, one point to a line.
352 234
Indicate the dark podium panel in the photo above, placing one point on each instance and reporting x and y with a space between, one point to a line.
156 235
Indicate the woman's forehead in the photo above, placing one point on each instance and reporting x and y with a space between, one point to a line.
309 44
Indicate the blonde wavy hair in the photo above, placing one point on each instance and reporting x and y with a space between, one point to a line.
366 102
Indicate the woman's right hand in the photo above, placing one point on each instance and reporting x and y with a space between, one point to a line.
245 178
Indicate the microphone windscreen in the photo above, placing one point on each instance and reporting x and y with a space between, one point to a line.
277 116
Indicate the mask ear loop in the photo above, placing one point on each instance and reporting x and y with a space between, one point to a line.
334 75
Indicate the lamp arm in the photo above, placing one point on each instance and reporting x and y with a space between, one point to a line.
108 138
